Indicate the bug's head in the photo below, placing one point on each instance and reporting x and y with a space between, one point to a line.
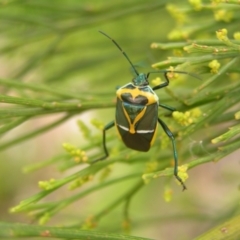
140 80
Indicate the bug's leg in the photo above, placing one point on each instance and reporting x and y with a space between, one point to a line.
170 135
108 126
167 107
164 84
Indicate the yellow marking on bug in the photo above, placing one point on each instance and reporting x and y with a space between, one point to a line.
151 97
137 118
154 135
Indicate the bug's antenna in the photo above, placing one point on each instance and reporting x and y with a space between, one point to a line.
121 51
175 71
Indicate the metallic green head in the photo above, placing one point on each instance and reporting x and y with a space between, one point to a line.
140 80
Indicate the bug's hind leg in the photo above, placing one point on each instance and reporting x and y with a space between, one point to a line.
175 155
108 126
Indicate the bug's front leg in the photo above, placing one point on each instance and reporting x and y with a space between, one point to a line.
170 135
172 109
108 126
164 84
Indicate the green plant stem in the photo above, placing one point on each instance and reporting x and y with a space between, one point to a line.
54 107
173 61
127 205
221 106
38 165
37 103
174 45
93 169
215 76
11 230
54 207
12 83
223 151
34 133
200 99
232 132
121 199
229 230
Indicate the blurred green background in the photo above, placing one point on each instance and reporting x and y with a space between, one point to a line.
57 43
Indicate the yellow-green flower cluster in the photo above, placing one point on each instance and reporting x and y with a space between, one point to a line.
237 115
197 4
216 1
188 117
164 143
222 34
167 195
77 154
180 16
223 15
96 123
156 81
236 35
172 74
214 66
80 181
47 185
151 166
178 34
182 173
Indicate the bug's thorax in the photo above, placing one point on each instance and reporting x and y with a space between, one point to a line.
137 95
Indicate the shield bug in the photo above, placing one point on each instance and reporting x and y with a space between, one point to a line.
136 117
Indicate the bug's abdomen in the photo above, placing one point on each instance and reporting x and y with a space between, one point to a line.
136 123
140 142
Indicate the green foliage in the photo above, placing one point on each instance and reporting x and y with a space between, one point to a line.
55 65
